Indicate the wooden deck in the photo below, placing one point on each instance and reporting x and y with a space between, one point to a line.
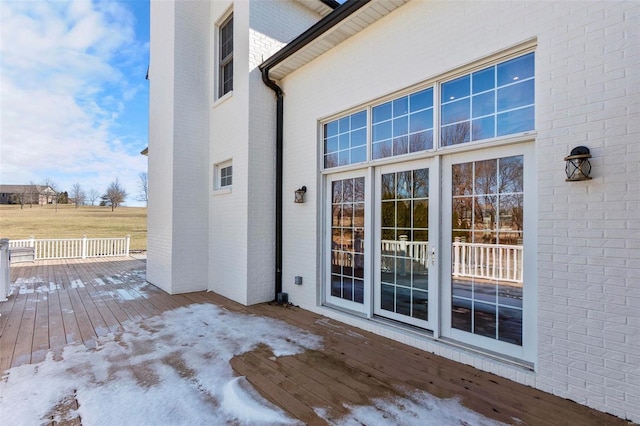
71 301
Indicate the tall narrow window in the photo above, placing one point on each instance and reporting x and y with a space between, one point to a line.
225 67
487 267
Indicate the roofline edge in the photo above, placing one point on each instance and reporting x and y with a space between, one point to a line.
334 18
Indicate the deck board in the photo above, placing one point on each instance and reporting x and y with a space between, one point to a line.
76 301
40 345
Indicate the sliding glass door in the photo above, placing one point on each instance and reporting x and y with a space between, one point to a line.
405 243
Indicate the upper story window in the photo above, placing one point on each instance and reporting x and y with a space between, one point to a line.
403 125
494 101
345 140
225 63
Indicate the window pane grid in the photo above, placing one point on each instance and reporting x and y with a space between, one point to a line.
487 253
495 101
225 61
225 176
347 239
403 125
345 140
404 230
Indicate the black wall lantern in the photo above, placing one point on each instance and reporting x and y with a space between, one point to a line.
300 195
578 166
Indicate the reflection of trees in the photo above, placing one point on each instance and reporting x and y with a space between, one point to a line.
382 149
460 132
456 133
358 190
420 141
487 197
421 183
485 181
330 160
336 189
462 177
510 174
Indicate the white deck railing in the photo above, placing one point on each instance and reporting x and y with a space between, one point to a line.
74 248
490 261
470 260
416 250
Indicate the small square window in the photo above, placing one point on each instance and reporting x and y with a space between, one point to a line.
223 175
226 176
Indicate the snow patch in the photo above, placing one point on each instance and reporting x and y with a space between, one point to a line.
173 368
77 284
241 402
416 409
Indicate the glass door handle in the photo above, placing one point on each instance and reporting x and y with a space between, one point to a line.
433 256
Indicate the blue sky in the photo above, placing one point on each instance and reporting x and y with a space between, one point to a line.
73 94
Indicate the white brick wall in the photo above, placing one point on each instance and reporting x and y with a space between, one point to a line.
242 223
591 268
228 123
191 169
160 213
178 146
272 24
587 77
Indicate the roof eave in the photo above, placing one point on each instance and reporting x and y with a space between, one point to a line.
315 31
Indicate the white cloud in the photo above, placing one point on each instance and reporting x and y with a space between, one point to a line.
65 93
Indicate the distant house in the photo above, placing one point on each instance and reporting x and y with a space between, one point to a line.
468 173
27 194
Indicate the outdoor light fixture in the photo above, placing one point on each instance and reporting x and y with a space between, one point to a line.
300 195
578 166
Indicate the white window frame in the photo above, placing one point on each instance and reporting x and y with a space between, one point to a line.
435 84
527 351
220 62
522 143
218 168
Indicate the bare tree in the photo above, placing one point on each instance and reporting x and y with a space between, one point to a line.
78 195
143 194
115 195
93 196
20 196
34 194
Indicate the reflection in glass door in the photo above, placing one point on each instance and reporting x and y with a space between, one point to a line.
402 287
487 248
347 274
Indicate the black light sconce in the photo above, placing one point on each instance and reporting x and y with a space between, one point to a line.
578 166
300 195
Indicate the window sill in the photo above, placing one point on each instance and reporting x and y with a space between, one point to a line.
223 99
222 191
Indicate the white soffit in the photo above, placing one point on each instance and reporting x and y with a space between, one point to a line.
317 6
359 20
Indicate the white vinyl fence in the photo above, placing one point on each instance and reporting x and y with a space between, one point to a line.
4 269
491 261
470 260
74 248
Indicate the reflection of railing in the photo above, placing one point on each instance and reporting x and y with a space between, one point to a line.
416 250
490 261
70 248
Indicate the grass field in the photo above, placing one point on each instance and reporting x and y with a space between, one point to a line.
69 222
